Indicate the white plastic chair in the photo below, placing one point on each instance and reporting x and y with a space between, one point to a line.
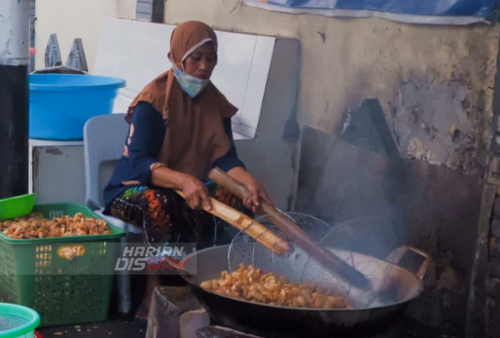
104 139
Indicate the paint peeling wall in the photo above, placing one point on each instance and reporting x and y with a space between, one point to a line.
446 120
345 61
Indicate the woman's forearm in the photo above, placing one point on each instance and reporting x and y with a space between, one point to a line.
167 178
194 191
241 175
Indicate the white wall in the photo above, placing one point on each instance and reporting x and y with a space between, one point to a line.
71 19
345 60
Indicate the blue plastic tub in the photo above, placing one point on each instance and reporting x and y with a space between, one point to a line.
60 104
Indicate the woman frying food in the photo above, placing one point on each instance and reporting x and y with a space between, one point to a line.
180 128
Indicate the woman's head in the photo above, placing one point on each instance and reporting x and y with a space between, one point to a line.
193 49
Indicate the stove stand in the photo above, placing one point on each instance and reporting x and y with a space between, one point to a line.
403 329
223 332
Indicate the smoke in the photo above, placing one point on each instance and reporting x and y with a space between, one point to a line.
364 185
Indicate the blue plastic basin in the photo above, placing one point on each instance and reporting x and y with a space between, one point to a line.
60 104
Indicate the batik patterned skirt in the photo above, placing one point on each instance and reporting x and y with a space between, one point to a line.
166 218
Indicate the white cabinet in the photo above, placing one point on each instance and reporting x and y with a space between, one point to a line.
57 172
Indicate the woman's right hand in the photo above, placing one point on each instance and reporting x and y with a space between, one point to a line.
195 193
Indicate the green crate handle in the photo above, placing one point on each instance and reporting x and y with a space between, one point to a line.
69 253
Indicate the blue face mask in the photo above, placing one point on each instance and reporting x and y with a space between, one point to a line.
190 84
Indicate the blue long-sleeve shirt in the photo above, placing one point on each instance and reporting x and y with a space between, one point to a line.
146 134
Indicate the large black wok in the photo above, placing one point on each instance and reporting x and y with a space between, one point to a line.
274 321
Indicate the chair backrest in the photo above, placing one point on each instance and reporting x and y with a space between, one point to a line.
103 139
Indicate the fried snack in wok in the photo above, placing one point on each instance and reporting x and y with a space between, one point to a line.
251 284
35 225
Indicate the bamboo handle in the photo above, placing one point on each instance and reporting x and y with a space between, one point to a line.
246 224
323 256
228 183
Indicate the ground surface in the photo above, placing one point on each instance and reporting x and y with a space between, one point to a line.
119 327
114 327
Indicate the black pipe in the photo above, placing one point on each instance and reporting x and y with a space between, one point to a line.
14 147
14 104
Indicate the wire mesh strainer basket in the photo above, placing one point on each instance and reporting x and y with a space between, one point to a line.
17 321
299 267
245 250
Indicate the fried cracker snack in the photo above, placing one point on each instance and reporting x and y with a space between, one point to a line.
35 225
251 284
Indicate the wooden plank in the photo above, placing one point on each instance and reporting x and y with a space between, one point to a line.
477 314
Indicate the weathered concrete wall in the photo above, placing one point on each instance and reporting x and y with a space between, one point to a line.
435 86
346 61
76 19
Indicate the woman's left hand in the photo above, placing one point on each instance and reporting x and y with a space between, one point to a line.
257 192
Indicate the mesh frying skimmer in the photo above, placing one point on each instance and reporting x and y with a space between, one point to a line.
244 249
292 230
299 267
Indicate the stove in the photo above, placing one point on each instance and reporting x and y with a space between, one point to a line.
406 328
223 332
186 318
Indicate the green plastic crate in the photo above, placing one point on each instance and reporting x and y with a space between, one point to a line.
63 292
